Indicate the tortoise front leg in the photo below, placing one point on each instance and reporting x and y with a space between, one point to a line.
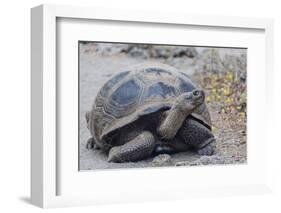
198 136
136 149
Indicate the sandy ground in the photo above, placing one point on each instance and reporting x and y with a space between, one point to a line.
96 69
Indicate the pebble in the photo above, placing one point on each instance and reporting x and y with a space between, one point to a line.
162 160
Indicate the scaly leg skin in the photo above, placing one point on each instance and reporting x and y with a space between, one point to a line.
136 149
209 149
198 136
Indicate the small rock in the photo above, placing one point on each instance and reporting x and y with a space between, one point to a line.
205 160
243 132
243 76
162 160
190 52
183 163
242 142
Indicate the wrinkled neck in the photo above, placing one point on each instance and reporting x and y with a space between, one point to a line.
171 123
176 116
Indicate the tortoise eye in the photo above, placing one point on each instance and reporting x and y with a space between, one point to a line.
196 93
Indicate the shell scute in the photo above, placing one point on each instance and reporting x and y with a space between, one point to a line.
126 94
185 86
160 89
158 71
109 84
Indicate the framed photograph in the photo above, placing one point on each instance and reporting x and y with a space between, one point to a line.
131 106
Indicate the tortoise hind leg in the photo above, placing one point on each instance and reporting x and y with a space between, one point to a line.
91 144
136 149
198 136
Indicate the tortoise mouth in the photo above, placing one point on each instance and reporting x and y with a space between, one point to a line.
200 100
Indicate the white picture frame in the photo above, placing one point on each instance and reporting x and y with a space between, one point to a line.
45 168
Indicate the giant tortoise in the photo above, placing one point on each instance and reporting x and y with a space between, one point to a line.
149 109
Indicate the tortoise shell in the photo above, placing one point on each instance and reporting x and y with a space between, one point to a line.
143 89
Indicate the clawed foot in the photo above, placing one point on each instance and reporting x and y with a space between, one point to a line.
207 150
91 144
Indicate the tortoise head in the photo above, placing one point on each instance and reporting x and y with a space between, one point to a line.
188 101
